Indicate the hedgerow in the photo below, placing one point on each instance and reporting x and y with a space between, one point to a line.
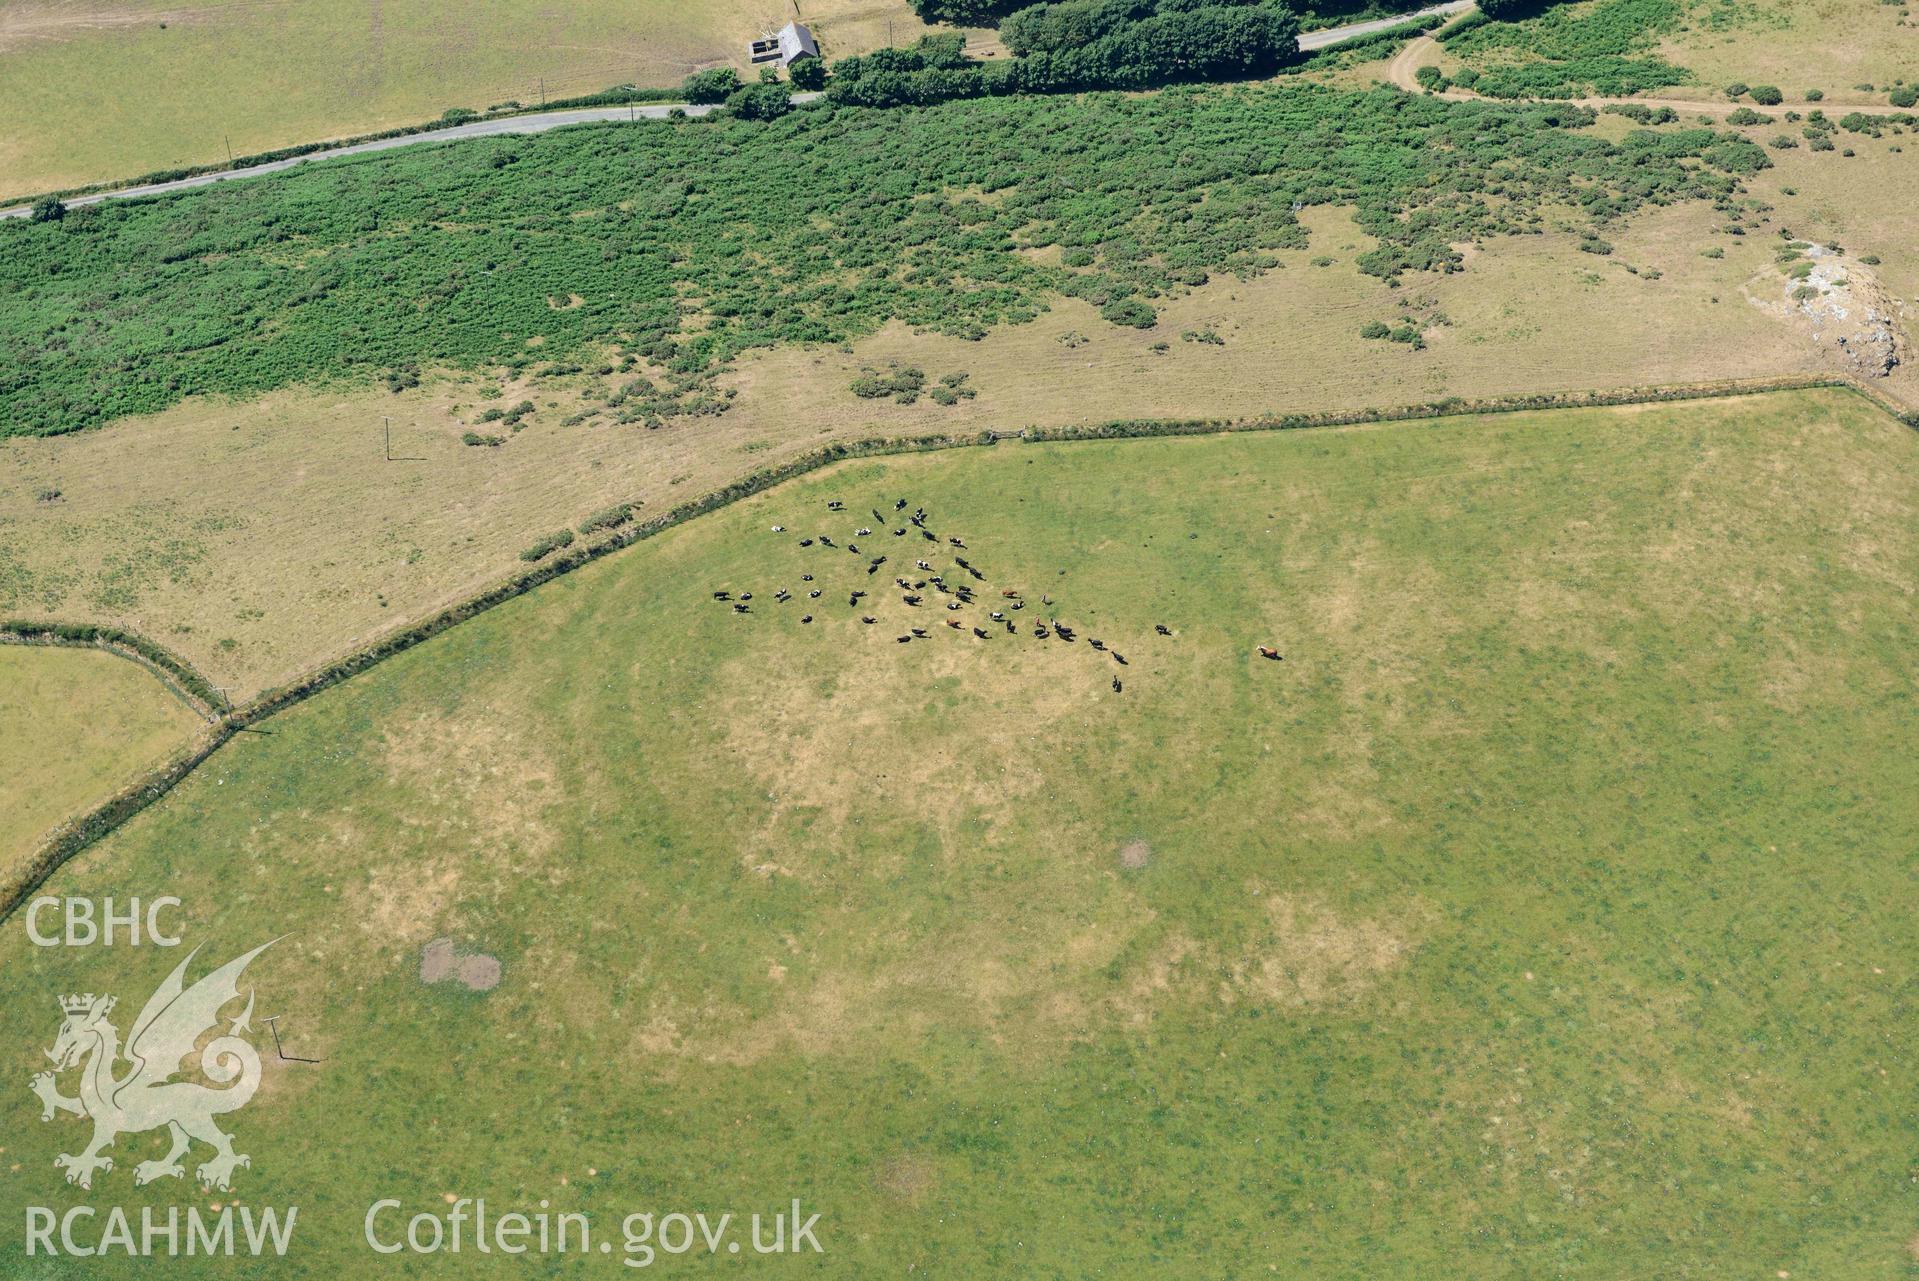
691 243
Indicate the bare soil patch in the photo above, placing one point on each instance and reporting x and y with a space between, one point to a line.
441 962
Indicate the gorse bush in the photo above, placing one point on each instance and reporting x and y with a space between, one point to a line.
817 227
1604 48
547 546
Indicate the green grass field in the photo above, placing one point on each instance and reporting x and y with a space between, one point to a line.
74 726
1546 912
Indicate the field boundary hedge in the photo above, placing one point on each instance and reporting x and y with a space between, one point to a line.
180 677
76 835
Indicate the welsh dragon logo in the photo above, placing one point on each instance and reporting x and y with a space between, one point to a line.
144 1096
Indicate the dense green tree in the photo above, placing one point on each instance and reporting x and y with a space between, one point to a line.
808 74
760 101
712 85
966 13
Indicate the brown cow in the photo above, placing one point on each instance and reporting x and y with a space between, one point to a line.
1265 652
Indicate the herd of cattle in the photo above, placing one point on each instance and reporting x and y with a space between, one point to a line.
963 604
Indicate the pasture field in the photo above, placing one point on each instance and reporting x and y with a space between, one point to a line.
75 725
1543 912
93 90
261 537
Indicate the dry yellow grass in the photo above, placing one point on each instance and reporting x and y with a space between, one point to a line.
75 725
1830 45
260 539
103 89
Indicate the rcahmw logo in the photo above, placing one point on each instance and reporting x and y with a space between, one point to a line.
132 1090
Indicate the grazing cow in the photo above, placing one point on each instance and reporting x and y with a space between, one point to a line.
912 600
1162 629
900 506
902 639
953 605
879 560
779 529
854 548
806 618
806 542
868 618
1116 685
928 537
806 578
953 623
1266 652
997 616
961 562
876 515
1040 632
1045 600
956 542
862 531
872 569
721 595
1097 643
782 596
825 541
920 632
1019 604
1010 629
739 609
977 632
835 505
920 564
899 533
1009 593
1120 659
